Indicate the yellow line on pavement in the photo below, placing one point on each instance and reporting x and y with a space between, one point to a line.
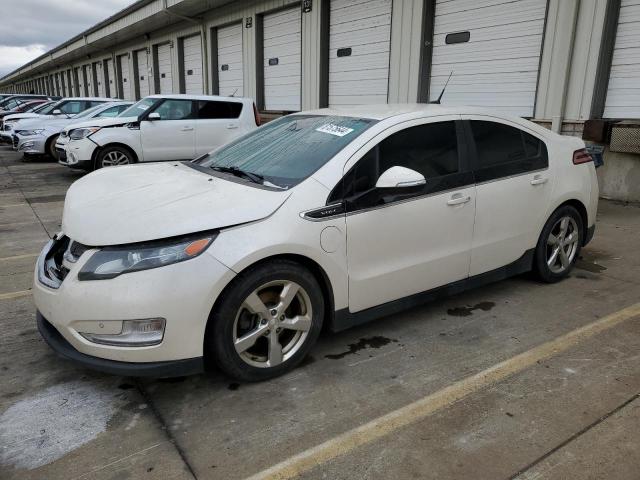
12 295
18 257
420 409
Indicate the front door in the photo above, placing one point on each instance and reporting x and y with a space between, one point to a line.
408 240
172 136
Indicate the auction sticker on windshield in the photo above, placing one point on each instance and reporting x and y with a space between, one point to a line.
334 129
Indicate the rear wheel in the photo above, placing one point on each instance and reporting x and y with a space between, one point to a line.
266 322
559 244
113 157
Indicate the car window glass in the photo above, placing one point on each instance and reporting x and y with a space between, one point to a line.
72 106
535 149
497 143
210 110
172 109
110 112
94 103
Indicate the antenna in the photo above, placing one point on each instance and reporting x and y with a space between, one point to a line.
437 102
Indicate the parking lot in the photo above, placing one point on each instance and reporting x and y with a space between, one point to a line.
518 379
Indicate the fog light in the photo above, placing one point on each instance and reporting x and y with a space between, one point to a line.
26 145
134 333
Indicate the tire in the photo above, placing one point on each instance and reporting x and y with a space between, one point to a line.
251 308
113 156
559 244
51 147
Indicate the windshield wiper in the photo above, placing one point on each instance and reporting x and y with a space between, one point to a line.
254 177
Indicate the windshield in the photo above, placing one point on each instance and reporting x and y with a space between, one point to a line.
286 151
42 108
47 109
88 112
139 108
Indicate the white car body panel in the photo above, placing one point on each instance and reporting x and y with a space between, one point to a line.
369 257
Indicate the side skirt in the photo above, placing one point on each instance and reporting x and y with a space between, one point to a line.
344 319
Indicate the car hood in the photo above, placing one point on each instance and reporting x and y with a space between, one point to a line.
21 116
104 122
137 203
43 122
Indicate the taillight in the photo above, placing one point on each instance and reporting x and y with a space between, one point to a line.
581 156
256 115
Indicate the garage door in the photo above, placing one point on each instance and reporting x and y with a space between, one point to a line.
142 75
359 45
88 76
192 67
110 80
282 60
230 72
79 82
493 49
623 93
125 78
164 68
98 79
63 83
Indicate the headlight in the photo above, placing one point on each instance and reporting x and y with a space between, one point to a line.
113 261
29 133
80 133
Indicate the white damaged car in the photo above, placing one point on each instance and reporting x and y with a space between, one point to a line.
329 217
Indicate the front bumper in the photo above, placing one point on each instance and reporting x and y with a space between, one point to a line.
79 154
182 293
173 368
34 144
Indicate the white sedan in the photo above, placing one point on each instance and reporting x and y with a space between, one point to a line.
324 217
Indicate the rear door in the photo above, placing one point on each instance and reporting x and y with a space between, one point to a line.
218 123
172 137
513 185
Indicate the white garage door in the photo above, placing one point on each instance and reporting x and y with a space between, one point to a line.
282 60
623 93
192 68
88 75
80 80
164 68
143 72
493 49
63 83
359 45
111 80
125 80
98 78
230 72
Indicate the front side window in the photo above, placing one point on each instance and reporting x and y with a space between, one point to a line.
139 107
286 151
430 149
216 109
172 109
502 151
112 112
71 107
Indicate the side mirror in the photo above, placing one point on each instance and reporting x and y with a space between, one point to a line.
153 116
57 111
397 177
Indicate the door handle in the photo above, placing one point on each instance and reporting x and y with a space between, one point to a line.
539 180
232 125
186 129
458 199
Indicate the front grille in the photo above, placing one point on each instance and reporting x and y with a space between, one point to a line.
53 267
74 251
62 155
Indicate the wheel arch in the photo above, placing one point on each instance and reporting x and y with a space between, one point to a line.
50 139
582 210
100 148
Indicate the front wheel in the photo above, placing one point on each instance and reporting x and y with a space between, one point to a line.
266 322
51 148
559 244
113 156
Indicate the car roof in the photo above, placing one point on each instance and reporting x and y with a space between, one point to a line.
202 97
99 99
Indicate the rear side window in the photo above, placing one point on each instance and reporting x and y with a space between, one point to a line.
503 151
211 109
73 106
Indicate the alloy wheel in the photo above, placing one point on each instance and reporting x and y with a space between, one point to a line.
272 323
114 158
562 244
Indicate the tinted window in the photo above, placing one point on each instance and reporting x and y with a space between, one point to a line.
219 109
497 143
175 110
503 151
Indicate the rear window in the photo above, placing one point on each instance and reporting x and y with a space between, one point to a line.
216 109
